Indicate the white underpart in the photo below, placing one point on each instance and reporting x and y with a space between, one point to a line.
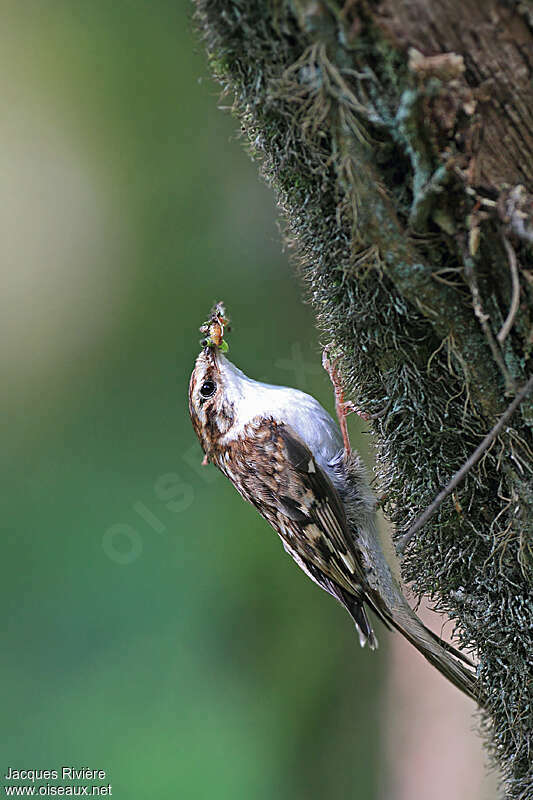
305 415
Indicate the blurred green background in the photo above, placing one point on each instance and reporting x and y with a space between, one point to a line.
153 626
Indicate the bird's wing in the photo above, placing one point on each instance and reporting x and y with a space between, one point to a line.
290 489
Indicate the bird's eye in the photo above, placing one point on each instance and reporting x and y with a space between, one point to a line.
208 388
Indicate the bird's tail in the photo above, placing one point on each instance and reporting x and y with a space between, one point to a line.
451 663
383 594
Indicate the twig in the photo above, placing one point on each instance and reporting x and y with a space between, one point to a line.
515 299
483 318
465 469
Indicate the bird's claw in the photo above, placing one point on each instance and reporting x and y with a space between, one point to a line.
343 407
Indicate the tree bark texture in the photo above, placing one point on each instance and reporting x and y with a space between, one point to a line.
398 136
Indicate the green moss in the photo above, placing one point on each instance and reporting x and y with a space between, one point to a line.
340 132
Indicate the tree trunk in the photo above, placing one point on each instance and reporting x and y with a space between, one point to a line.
398 136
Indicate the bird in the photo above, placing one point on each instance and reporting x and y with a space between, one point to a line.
287 456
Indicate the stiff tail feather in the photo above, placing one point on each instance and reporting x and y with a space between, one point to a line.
443 656
383 593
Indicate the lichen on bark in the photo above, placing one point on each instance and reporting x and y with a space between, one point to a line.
379 137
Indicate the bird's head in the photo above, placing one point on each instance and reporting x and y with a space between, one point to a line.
212 384
224 402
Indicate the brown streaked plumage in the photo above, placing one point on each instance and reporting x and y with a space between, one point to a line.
284 454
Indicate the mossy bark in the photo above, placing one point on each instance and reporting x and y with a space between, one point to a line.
398 137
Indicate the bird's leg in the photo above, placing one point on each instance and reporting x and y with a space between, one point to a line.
342 407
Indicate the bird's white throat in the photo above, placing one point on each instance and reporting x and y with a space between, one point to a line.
305 415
